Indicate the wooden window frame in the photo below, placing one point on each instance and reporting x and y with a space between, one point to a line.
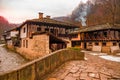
24 30
26 43
104 44
96 43
114 43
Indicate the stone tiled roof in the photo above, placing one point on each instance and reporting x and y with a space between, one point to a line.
52 21
97 28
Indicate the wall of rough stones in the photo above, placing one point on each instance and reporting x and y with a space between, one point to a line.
38 46
37 69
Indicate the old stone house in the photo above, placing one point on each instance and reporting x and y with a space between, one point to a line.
38 37
97 38
10 37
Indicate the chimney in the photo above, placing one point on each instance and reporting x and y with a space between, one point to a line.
40 15
48 17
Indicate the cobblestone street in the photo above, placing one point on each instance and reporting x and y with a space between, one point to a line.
93 68
9 60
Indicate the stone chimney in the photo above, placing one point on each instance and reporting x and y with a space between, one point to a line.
40 15
48 17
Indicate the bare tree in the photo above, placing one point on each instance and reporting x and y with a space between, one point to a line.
110 6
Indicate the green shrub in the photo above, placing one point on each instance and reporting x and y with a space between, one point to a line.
2 42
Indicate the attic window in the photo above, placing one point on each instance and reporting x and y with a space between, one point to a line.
24 30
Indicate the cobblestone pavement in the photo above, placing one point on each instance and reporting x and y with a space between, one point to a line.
9 60
93 68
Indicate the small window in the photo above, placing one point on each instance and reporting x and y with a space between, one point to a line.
26 43
119 44
52 31
75 36
76 43
114 43
96 43
46 29
38 29
90 44
104 44
95 35
23 43
24 30
105 34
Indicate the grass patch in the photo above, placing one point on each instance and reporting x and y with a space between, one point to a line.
75 48
2 42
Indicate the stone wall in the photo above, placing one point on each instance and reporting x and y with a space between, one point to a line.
105 49
36 47
38 68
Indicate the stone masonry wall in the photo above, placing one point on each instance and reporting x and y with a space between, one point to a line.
37 46
38 68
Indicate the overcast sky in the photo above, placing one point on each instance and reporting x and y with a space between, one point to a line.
17 11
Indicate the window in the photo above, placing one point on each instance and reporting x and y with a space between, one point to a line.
76 43
26 43
105 34
90 44
52 31
96 44
75 36
119 44
104 44
38 29
114 43
47 29
24 30
95 34
23 43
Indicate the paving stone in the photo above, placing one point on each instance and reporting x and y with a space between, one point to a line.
76 74
91 69
69 67
110 71
116 76
95 79
79 65
69 77
105 73
104 77
114 79
83 75
74 69
93 75
63 75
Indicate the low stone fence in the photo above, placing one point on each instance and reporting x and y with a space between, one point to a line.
37 69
